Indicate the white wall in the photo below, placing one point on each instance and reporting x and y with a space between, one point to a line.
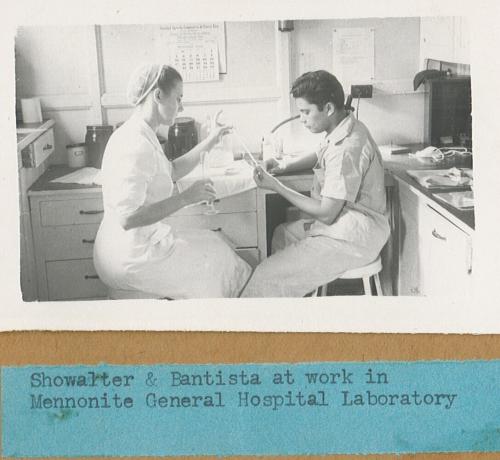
52 62
80 72
396 112
247 93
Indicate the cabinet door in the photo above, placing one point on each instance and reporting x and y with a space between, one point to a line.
445 256
409 255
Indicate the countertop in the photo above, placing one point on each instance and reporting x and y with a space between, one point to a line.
395 165
44 185
398 164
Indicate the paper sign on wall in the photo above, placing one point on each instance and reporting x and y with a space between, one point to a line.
197 50
354 55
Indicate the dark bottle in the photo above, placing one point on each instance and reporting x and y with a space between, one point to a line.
96 139
182 137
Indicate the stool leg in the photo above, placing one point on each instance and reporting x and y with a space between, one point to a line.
320 291
366 285
378 286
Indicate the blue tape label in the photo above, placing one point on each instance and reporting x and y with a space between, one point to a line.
250 409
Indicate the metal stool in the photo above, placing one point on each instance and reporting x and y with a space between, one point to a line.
365 273
121 294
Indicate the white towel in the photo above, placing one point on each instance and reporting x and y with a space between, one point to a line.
227 181
82 176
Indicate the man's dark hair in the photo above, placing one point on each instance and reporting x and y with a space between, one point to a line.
319 87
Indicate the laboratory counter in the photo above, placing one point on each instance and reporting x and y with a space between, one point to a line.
65 219
397 165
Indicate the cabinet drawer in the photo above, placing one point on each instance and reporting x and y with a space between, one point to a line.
38 151
70 212
242 202
240 228
73 279
68 242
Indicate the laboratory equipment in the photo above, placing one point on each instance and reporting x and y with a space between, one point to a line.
76 155
182 137
448 119
211 209
248 154
96 138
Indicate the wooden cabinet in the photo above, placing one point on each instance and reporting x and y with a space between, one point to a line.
435 255
444 39
446 256
65 224
35 144
236 221
64 228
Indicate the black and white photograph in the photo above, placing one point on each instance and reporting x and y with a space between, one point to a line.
279 157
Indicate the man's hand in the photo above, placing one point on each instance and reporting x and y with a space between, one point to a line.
273 166
264 180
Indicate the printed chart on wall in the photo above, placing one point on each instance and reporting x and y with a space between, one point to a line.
197 50
354 55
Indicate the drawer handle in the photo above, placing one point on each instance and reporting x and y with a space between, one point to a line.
47 147
438 236
218 229
88 241
91 277
91 212
217 200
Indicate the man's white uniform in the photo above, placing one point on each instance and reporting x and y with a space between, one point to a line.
349 168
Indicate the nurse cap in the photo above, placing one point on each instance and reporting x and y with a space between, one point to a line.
142 81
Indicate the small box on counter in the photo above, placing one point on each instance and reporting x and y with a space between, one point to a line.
393 149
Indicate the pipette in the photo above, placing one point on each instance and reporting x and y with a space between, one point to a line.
247 150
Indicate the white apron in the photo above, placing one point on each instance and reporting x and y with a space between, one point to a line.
155 258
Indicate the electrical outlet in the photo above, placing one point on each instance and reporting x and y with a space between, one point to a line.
361 91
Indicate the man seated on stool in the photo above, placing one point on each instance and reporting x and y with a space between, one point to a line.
348 225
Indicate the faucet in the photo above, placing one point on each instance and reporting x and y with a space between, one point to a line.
281 123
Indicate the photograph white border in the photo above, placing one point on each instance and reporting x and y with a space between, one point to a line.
476 314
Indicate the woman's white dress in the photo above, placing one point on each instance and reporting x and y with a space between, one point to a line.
156 258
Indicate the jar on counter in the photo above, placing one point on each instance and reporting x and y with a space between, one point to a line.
96 139
182 137
76 155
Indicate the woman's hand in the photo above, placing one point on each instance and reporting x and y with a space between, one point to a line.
201 190
217 131
264 180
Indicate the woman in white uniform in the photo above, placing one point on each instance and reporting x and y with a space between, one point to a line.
135 248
